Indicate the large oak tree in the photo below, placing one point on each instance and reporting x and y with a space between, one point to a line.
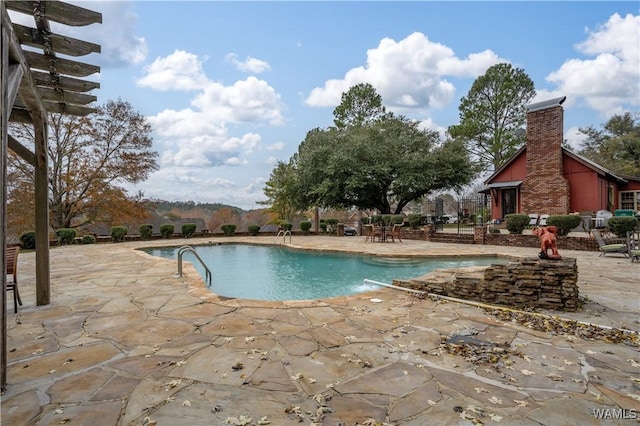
90 159
371 160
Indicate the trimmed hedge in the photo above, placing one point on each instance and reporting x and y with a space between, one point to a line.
414 220
305 227
619 225
188 229
88 239
253 229
28 240
166 230
229 229
66 236
146 231
564 222
118 233
516 222
398 219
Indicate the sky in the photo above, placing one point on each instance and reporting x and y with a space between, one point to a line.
232 87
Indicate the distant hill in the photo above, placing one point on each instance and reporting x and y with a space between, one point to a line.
163 207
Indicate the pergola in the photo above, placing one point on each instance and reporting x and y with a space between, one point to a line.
35 81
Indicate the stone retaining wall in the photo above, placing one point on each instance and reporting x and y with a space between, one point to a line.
524 283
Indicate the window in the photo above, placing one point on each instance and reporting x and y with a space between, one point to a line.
630 200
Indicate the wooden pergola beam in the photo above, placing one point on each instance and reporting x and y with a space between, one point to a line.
28 95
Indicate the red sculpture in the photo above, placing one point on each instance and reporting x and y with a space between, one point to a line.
548 240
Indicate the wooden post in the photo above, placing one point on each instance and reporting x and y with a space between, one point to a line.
4 112
43 288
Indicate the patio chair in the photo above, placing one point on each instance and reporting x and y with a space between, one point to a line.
11 259
608 248
372 232
543 220
395 233
533 220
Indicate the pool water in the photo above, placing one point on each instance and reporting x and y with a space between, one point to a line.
279 273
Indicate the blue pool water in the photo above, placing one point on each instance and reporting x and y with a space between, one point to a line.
279 273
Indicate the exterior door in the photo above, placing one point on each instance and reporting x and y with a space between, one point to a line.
508 201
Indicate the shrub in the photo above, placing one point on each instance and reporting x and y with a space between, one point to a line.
398 219
28 240
386 219
228 229
619 225
88 239
516 222
323 227
66 236
564 222
188 229
287 226
332 225
414 220
118 233
494 230
146 231
305 227
254 229
166 230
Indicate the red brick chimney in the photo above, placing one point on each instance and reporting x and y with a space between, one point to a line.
545 189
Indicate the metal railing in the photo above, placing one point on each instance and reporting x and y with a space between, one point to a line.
282 234
188 249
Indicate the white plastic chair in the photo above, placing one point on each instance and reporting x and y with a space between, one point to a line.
543 219
533 219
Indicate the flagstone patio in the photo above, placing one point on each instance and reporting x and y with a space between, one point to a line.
127 342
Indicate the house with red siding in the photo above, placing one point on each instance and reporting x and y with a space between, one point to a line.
543 177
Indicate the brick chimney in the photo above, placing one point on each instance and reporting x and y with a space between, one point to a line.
545 189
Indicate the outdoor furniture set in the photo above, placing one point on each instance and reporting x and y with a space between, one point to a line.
376 233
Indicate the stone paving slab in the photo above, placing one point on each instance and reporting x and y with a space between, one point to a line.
125 341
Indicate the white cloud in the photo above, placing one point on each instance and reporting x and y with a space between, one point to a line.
429 124
610 81
198 137
198 184
409 74
210 150
575 138
245 101
276 146
120 44
179 71
252 65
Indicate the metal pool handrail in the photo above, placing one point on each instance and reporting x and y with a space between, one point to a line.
282 233
190 249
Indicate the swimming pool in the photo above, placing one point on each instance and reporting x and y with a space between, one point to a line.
279 273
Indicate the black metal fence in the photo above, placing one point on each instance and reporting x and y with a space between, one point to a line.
469 213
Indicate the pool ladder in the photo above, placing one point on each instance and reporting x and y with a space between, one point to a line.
282 234
188 249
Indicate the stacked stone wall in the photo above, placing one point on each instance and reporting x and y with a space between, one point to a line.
524 283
